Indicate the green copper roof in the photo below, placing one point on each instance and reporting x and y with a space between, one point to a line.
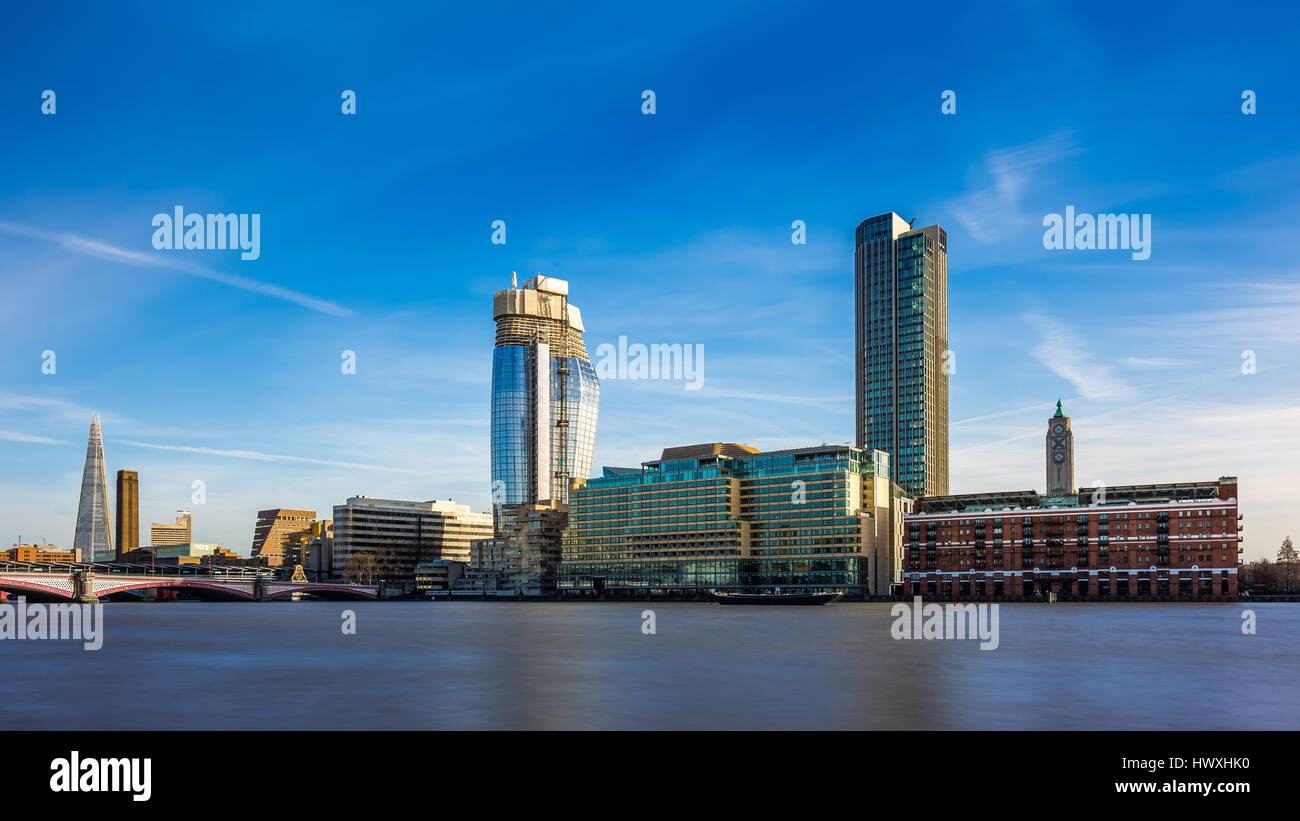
1059 412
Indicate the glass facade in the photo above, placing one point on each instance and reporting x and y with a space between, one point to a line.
902 342
801 518
92 541
545 395
514 421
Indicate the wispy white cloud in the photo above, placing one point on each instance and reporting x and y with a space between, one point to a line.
102 250
1066 354
993 210
255 455
13 436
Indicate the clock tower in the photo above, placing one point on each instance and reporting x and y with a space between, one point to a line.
1060 454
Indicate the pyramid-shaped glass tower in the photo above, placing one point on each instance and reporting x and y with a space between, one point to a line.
94 538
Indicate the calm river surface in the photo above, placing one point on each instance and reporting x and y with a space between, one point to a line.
472 665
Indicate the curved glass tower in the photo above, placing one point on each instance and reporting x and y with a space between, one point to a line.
545 394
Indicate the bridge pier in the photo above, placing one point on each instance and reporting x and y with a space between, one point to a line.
83 587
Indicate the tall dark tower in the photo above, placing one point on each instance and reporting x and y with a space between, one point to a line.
1060 454
902 352
128 511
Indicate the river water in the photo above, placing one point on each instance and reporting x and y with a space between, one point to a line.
502 665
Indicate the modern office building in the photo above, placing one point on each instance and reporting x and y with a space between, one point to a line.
178 533
272 531
1131 542
902 357
93 540
545 394
128 511
724 516
523 556
387 538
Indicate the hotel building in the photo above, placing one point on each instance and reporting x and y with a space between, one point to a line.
901 308
1132 542
725 516
394 536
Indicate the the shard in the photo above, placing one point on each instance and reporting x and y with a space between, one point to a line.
94 538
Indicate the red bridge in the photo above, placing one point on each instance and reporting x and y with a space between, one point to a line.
82 584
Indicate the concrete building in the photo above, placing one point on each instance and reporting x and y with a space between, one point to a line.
387 538
438 577
724 516
272 532
173 534
523 556
128 511
1131 542
902 357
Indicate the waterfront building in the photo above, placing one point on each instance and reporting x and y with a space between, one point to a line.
902 357
545 394
438 577
173 534
93 540
387 538
523 556
1137 542
128 511
272 532
725 516
40 553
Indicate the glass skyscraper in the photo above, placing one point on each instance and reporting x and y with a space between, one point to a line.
93 541
545 395
902 349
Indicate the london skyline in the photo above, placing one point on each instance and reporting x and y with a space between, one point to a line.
206 367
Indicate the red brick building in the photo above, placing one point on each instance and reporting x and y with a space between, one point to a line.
1157 542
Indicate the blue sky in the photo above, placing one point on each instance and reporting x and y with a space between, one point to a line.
671 228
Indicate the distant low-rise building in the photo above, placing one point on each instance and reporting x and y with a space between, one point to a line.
178 533
40 553
438 576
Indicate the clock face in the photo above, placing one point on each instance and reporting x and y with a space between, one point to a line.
1058 457
1058 428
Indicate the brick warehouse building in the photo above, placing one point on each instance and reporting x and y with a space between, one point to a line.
1178 541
